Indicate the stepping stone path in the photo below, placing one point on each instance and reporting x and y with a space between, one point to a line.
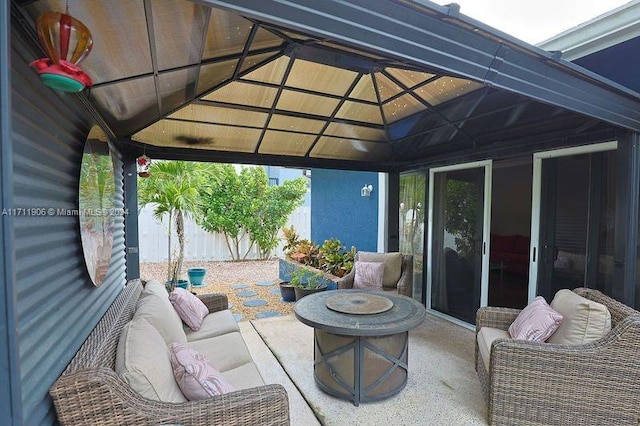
268 314
239 286
254 303
247 293
246 290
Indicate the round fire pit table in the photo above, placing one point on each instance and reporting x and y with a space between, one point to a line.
361 341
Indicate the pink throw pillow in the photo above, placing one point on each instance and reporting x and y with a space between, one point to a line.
190 309
369 275
536 322
196 378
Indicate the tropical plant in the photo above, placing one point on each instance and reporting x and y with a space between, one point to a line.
333 259
330 257
305 252
291 239
240 205
172 188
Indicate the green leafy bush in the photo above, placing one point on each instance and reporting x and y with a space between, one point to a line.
331 257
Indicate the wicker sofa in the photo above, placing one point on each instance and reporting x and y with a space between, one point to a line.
91 392
597 383
403 281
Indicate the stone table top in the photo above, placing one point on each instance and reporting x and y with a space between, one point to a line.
404 315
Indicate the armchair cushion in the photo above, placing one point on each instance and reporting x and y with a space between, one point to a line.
368 275
392 266
485 337
536 322
584 320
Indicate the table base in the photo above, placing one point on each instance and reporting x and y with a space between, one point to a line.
361 368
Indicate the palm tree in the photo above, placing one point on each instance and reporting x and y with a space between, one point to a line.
173 189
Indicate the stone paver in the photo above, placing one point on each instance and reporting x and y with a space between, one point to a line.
239 286
254 303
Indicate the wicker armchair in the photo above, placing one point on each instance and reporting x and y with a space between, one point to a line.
550 384
405 283
89 392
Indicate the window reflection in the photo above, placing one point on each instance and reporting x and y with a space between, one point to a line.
97 205
412 207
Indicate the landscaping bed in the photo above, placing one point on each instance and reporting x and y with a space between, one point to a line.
221 276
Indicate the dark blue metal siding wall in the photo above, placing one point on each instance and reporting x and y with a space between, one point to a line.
338 210
57 305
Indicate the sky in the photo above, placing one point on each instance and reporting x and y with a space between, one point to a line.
534 21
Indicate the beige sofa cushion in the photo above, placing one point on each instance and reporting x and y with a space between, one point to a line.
154 287
583 321
486 337
392 265
244 377
143 361
224 352
160 313
215 324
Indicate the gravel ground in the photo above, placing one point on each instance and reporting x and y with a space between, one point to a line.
222 275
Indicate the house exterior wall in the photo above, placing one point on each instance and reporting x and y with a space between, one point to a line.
339 211
56 305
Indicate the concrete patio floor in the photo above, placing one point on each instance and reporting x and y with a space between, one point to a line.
272 372
442 387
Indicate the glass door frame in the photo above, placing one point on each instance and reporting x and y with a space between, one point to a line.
486 229
536 196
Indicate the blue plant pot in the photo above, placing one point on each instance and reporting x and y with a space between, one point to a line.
196 276
181 283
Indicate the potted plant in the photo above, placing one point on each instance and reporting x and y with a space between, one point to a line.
305 283
290 280
172 188
174 280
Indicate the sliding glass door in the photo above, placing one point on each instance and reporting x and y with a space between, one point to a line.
573 219
411 225
459 221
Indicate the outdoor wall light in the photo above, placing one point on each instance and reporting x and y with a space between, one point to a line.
366 190
67 42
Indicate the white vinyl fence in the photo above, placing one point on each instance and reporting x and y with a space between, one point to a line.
199 244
